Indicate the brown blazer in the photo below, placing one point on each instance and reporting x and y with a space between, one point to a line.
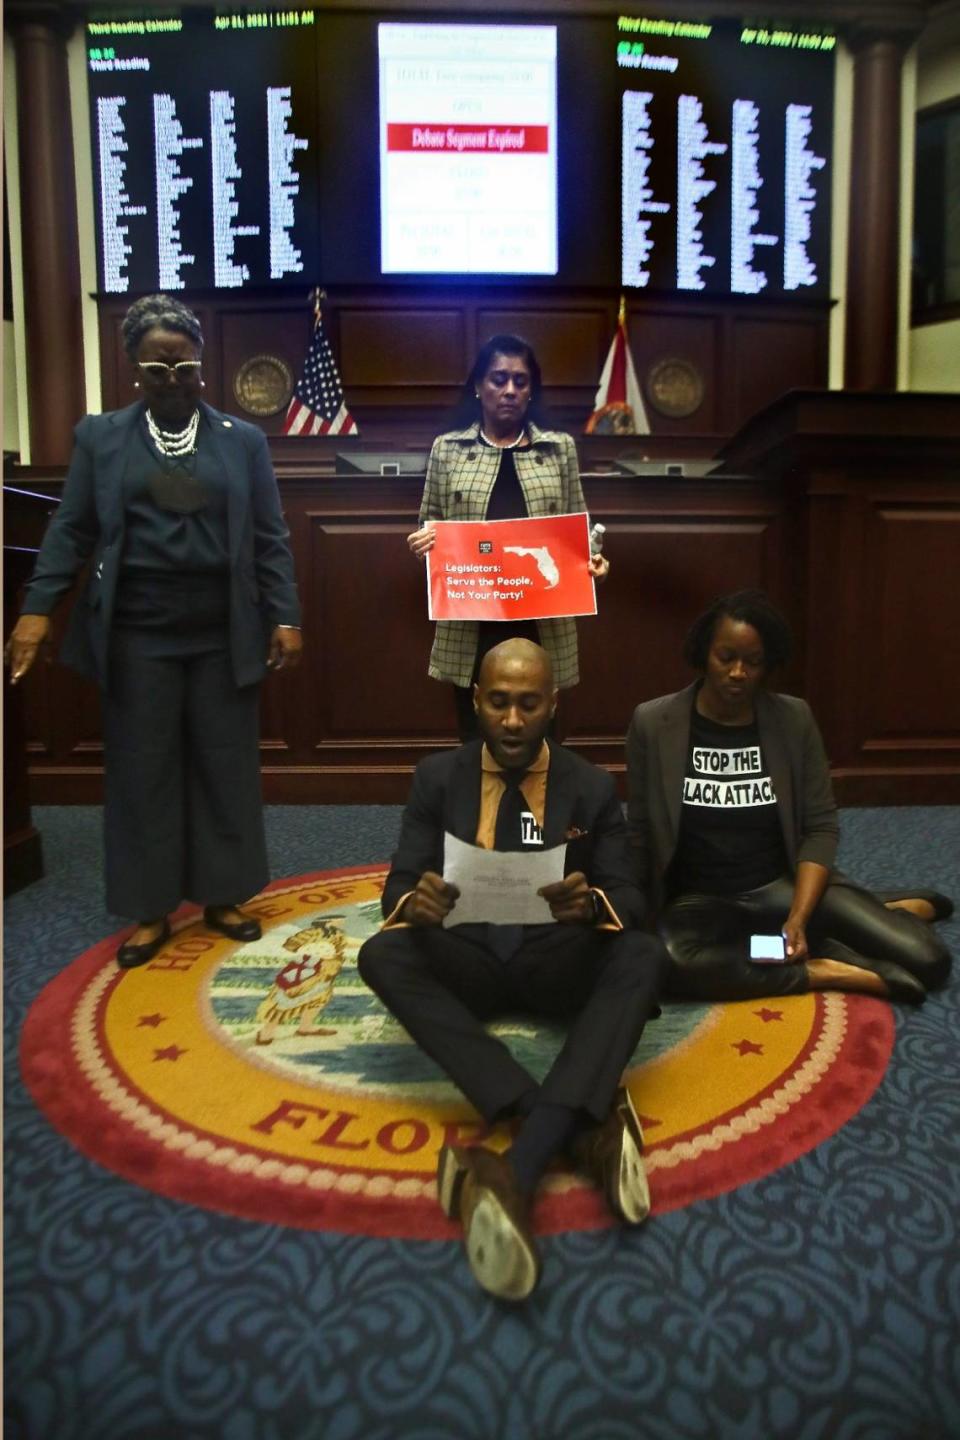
657 745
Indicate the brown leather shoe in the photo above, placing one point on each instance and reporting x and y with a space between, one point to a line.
612 1154
477 1186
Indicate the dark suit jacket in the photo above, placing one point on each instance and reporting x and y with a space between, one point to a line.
90 523
657 745
579 798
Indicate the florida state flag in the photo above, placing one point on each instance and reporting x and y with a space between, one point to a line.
618 407
537 568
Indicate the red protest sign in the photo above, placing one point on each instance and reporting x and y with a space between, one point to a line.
531 569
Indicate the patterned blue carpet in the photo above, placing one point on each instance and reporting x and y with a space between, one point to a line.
821 1303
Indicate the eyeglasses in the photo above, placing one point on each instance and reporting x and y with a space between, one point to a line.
159 370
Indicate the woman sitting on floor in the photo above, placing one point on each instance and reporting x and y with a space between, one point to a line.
734 826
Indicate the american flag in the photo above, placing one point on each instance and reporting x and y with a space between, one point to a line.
317 406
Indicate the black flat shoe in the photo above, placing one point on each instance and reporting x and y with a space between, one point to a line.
243 930
130 956
942 904
902 986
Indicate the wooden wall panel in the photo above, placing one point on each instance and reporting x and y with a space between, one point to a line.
832 616
913 554
280 702
382 347
883 674
371 673
877 519
663 572
63 710
403 352
771 354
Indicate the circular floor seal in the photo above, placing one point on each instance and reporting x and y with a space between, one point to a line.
266 1081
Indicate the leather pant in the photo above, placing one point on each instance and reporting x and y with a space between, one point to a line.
708 940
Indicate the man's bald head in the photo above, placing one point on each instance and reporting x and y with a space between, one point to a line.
515 698
517 652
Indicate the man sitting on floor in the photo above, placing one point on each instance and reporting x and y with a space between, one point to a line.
509 791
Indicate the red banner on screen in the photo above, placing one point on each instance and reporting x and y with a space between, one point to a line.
532 569
469 139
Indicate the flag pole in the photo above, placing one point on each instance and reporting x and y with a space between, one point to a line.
316 298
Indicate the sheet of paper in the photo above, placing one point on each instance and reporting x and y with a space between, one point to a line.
500 887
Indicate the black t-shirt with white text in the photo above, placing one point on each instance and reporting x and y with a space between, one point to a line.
730 836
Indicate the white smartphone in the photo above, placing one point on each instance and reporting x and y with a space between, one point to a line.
768 949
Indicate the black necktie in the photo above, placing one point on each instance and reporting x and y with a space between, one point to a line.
508 834
505 940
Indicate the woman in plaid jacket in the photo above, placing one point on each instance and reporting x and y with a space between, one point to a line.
500 466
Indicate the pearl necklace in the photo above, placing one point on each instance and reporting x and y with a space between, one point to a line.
512 445
175 442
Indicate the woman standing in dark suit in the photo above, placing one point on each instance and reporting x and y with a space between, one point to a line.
190 598
501 464
734 828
